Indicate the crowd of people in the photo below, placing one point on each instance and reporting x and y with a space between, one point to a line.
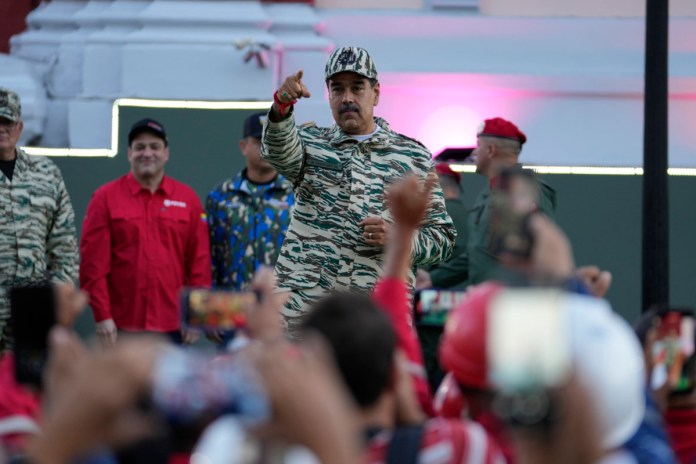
334 361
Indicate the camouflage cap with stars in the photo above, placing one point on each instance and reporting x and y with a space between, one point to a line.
351 59
10 107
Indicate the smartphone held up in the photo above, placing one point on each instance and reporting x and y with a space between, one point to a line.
32 315
222 310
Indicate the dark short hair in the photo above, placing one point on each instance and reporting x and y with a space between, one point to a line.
362 339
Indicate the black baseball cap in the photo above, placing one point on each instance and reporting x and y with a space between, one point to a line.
148 125
253 125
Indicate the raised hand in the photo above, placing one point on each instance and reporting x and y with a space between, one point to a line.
293 88
288 94
408 200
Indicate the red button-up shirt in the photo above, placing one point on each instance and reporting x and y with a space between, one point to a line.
139 248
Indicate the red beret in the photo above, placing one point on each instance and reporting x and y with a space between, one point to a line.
499 127
444 169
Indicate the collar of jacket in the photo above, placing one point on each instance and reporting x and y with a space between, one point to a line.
337 136
239 184
24 162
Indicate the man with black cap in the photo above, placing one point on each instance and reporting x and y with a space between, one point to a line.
341 174
248 214
144 236
37 221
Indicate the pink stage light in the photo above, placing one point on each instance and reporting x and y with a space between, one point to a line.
441 110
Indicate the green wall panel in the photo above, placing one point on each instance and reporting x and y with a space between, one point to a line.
601 214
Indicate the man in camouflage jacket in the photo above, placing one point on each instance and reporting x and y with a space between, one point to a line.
37 222
341 175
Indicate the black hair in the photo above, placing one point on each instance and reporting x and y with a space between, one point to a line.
362 339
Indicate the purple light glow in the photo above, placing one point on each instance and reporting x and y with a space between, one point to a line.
441 110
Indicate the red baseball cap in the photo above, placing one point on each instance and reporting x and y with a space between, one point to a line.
444 169
499 127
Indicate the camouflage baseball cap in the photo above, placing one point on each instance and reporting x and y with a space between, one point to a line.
353 59
10 108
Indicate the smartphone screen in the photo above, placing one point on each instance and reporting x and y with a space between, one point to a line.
673 347
529 340
433 306
215 309
32 317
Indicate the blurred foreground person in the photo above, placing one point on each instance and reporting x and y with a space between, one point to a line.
667 335
20 403
553 332
95 400
364 341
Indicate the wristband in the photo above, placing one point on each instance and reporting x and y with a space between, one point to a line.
282 107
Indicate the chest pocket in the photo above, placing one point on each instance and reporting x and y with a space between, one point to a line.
320 186
127 228
174 225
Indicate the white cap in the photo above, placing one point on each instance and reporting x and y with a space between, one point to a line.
610 364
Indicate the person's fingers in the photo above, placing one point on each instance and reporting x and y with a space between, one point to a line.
603 283
298 75
588 272
429 184
371 220
264 280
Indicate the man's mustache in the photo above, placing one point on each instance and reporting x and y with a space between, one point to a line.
348 107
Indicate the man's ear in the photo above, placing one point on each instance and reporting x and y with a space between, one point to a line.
377 90
242 146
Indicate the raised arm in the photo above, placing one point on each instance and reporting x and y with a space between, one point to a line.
281 145
434 241
408 203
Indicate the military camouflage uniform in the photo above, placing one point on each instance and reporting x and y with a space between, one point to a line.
338 183
247 225
37 230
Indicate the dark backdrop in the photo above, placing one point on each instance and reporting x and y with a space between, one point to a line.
601 214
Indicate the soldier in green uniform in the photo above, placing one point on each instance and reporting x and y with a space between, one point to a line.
499 144
37 222
340 175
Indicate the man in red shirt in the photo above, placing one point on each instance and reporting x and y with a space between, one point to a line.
143 238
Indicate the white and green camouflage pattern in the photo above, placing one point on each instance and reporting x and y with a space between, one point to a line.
339 182
353 59
10 107
37 230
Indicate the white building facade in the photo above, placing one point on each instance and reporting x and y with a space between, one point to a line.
570 73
